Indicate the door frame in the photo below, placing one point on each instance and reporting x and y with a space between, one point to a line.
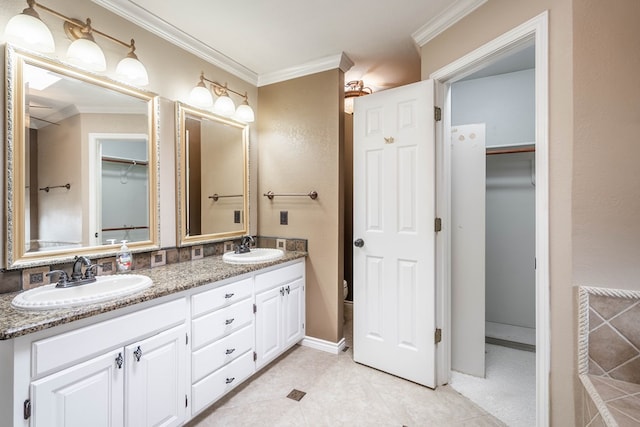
536 29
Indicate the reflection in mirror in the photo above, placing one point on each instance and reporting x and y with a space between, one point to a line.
81 159
212 176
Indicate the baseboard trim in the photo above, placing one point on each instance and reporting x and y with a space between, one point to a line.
322 345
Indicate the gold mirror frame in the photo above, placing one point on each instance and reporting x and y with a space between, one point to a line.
15 254
183 236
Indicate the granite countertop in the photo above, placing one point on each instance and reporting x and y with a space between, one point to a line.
167 280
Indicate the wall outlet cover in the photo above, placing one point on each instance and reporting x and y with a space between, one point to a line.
228 246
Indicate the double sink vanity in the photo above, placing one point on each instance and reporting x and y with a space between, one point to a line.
159 345
157 356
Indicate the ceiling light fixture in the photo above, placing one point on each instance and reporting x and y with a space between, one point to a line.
201 97
354 89
27 30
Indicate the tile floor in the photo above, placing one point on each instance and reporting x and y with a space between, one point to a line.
339 392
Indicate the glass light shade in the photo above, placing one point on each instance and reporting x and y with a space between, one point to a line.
87 55
132 70
224 106
244 113
201 97
29 32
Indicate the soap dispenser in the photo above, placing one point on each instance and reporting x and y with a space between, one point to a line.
123 258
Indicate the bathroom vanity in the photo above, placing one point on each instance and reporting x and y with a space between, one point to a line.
155 358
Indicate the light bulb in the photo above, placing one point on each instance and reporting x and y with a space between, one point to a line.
87 55
28 31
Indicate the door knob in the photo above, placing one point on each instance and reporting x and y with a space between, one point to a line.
358 243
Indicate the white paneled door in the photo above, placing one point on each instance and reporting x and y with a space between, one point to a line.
393 228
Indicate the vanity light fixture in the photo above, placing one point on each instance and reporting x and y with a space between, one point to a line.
201 96
27 30
353 89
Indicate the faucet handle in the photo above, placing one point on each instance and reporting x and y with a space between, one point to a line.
63 278
90 271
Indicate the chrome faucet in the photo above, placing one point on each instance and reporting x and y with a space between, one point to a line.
245 245
77 278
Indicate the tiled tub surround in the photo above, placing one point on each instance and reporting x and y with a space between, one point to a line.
167 279
609 356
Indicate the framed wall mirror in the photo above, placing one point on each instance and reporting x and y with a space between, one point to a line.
82 163
212 176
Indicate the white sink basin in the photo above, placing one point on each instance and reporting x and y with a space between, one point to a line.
256 256
104 288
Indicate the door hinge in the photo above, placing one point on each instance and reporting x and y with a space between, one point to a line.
438 335
255 356
255 309
437 114
438 224
26 409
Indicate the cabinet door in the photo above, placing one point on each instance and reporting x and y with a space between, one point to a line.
268 330
88 394
293 313
155 388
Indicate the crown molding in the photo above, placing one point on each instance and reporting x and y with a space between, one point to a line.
446 19
141 17
341 61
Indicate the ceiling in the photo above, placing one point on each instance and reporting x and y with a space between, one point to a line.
261 40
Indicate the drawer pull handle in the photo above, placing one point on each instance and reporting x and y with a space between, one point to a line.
230 350
138 354
119 361
229 321
227 296
229 380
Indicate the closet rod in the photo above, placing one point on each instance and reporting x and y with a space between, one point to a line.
510 150
125 161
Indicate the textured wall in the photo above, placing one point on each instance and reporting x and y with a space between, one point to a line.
301 143
606 182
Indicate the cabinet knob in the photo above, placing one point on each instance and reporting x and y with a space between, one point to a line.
288 289
119 361
358 243
229 380
230 350
282 292
138 354
229 321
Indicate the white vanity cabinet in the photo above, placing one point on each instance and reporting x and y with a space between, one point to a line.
157 363
223 341
130 382
280 311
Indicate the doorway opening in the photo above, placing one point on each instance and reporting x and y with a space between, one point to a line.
493 237
531 36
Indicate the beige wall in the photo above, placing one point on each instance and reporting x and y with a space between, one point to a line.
606 177
594 114
300 150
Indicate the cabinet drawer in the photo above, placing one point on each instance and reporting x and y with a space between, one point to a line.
222 322
223 296
216 355
281 275
74 346
211 388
